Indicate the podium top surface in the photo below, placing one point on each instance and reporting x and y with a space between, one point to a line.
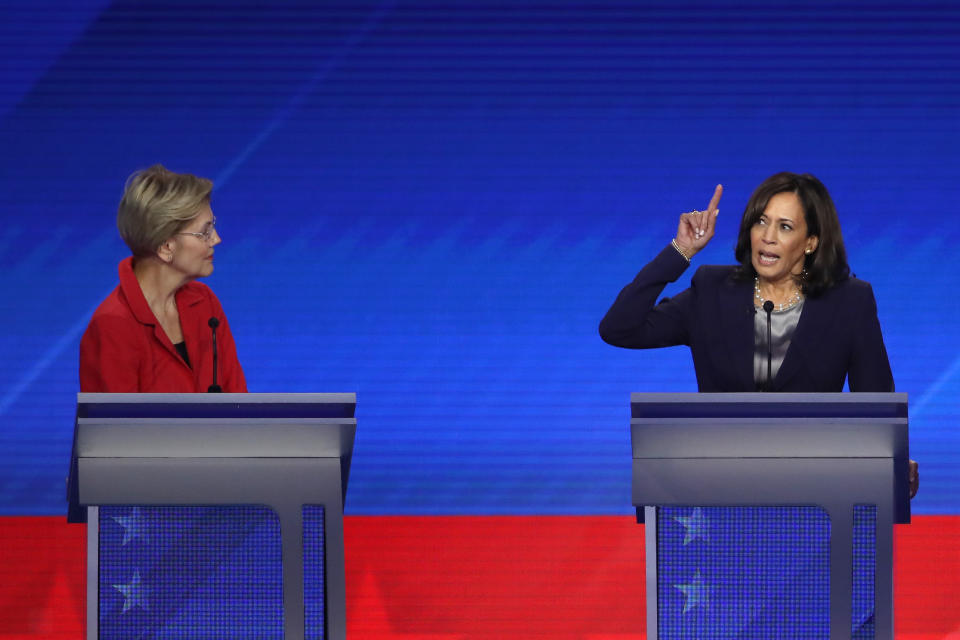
769 425
120 435
768 405
216 405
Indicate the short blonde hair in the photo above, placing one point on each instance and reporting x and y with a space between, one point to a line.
156 204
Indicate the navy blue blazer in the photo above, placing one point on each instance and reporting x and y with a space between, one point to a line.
838 334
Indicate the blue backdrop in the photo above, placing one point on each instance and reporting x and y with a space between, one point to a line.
433 203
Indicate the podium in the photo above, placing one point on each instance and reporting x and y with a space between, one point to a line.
836 452
283 452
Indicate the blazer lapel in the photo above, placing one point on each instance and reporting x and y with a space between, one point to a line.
814 321
736 319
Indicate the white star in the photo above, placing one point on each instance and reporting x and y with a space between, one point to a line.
135 594
695 525
697 593
134 526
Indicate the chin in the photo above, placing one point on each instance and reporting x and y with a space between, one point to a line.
774 275
768 272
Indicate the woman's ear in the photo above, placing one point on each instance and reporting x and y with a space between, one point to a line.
166 250
812 243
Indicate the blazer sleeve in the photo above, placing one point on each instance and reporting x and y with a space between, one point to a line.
109 356
230 370
869 364
635 321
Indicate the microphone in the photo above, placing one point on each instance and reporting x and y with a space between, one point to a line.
213 323
768 307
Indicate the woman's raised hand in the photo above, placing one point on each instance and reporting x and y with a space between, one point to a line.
696 228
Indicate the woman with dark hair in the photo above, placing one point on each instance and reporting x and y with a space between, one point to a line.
788 317
823 325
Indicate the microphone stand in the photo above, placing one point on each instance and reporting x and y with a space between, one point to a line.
213 323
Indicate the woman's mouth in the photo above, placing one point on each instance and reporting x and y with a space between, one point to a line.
767 259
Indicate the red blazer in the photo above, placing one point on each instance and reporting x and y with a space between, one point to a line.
124 348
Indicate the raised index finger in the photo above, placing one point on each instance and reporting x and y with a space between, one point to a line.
715 200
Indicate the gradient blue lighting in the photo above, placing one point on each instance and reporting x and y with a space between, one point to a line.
432 204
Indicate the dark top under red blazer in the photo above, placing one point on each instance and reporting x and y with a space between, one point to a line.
124 348
838 334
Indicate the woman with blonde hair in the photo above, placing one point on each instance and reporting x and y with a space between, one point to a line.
160 330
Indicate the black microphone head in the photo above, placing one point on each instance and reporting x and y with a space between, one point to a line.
767 306
213 323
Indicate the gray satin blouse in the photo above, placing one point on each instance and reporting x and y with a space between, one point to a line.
782 325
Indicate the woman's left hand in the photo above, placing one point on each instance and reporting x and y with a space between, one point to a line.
696 228
914 477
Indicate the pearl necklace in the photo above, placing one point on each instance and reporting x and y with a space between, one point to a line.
794 300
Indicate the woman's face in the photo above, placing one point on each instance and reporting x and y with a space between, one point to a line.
779 240
193 255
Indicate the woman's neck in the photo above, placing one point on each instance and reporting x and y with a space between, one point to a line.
159 284
778 291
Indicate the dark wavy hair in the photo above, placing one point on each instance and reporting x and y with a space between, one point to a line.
827 265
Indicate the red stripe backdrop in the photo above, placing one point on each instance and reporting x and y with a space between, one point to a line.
453 577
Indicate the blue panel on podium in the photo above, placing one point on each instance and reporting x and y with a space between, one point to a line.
756 572
188 573
742 572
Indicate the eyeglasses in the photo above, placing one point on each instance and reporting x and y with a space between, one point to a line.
204 235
